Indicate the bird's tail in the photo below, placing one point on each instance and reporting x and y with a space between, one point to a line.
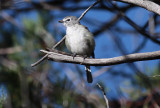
89 74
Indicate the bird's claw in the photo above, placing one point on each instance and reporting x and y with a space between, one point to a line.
74 55
84 57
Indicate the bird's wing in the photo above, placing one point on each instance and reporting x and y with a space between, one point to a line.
67 44
90 42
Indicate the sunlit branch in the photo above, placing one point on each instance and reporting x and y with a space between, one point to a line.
147 4
67 58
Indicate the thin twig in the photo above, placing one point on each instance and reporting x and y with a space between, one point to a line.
134 25
104 94
45 56
40 60
101 71
59 42
146 34
155 76
87 10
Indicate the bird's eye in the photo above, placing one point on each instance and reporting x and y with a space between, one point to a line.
68 19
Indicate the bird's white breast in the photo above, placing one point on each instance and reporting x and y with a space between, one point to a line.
76 39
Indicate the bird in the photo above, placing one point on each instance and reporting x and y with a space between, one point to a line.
79 41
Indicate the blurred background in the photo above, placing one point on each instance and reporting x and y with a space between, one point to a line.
26 26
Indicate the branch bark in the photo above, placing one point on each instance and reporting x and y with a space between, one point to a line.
147 4
62 57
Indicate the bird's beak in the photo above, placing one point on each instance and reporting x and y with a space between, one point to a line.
60 21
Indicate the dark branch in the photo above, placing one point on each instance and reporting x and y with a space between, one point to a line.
139 29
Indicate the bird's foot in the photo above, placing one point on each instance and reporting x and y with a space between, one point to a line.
84 57
74 55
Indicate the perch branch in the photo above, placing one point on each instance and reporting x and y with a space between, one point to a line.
147 4
62 57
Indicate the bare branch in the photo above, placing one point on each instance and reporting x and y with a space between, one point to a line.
40 60
62 57
87 10
147 4
139 29
155 76
134 25
45 56
101 71
10 50
104 94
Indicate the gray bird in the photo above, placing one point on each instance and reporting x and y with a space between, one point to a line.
79 40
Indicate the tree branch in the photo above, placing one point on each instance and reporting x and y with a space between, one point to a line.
10 50
139 29
45 56
87 10
67 58
147 4
104 95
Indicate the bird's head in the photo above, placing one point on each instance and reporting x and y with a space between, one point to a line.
69 21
